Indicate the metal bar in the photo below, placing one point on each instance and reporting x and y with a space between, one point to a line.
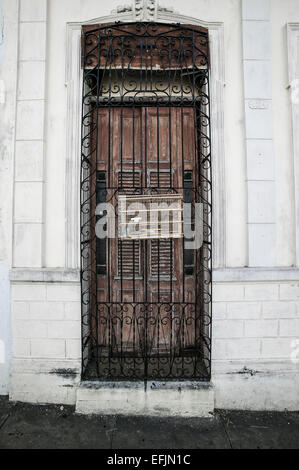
133 141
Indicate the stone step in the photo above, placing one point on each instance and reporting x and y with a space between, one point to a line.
189 399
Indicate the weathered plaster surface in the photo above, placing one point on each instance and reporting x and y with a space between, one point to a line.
8 77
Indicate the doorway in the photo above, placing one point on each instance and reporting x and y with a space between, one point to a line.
146 299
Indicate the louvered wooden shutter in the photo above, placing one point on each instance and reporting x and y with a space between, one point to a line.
161 179
161 258
129 250
129 180
129 258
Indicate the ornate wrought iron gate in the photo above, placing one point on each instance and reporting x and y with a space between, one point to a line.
146 302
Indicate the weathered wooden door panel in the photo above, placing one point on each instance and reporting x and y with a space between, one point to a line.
142 150
145 133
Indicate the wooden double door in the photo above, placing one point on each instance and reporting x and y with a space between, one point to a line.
146 290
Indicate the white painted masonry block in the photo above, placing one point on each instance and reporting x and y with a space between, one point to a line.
72 311
33 10
20 310
227 292
46 311
260 160
243 348
289 291
30 120
31 85
32 41
280 310
258 118
63 292
228 328
261 328
29 161
21 347
277 348
28 202
27 245
219 349
261 292
289 328
255 9
28 292
257 80
29 329
256 40
261 204
219 310
48 348
261 245
73 349
40 388
64 329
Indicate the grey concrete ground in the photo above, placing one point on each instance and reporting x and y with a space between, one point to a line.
24 426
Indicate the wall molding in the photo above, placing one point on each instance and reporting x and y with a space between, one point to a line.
261 210
255 274
73 81
293 66
44 275
219 275
74 85
28 230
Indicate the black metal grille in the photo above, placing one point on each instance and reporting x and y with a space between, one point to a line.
146 304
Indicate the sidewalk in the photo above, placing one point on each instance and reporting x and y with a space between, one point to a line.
51 426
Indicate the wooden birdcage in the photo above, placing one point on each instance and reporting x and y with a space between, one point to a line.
150 216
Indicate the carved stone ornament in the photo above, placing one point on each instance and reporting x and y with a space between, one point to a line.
143 10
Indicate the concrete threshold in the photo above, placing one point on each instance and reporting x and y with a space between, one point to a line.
156 398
